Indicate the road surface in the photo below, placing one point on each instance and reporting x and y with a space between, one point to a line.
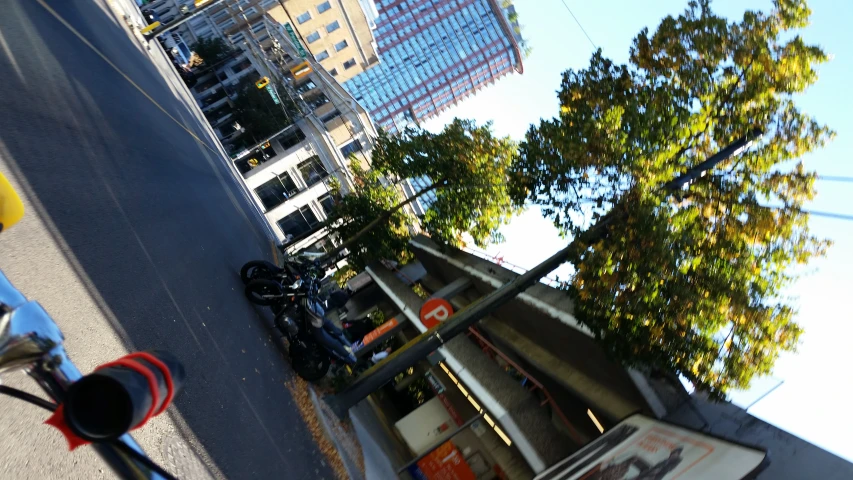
134 232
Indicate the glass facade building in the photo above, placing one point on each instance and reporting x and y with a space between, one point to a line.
433 54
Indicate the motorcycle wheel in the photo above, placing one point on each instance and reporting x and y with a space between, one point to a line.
311 363
264 292
258 270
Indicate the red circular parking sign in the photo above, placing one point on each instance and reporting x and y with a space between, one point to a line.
434 311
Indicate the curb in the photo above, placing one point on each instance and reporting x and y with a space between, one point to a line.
351 466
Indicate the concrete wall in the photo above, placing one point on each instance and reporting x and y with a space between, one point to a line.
513 407
791 458
539 327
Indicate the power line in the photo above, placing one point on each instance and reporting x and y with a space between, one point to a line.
831 178
837 216
579 24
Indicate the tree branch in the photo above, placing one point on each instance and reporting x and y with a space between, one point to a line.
380 219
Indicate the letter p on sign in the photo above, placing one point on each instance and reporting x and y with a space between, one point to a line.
434 311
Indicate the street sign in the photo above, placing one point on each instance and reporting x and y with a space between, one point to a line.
269 90
434 383
446 462
301 51
435 311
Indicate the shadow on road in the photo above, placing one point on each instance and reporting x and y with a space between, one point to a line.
154 226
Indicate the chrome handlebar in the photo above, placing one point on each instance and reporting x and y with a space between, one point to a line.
31 340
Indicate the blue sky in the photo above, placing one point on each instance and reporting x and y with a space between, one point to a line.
813 402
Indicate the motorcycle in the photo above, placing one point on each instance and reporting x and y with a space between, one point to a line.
293 292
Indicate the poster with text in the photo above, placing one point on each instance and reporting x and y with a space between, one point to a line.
641 448
445 463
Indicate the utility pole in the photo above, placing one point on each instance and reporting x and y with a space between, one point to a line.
429 341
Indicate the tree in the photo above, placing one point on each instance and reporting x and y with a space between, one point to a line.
373 198
692 285
464 169
211 51
256 111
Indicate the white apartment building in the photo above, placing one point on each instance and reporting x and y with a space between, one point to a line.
292 185
288 173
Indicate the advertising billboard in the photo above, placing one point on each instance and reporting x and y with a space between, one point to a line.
642 448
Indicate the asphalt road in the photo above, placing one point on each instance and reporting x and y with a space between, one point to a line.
134 233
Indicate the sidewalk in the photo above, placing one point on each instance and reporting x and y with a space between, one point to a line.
381 455
343 437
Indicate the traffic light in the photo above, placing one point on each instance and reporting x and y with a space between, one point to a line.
263 82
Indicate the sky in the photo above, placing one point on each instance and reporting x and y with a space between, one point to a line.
813 399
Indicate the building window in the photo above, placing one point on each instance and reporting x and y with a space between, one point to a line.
309 85
227 24
327 202
324 7
351 148
298 222
333 26
219 15
349 64
303 18
291 139
318 100
276 191
333 72
312 171
330 116
320 56
312 37
341 45
324 245
241 66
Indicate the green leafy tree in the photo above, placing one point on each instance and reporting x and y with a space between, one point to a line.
256 111
465 167
693 284
373 198
212 51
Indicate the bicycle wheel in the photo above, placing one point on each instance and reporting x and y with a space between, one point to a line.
264 292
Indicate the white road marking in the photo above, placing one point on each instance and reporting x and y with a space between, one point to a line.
12 58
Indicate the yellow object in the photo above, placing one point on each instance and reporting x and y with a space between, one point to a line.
263 82
300 70
11 207
150 27
199 3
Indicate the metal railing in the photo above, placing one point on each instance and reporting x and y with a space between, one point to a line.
488 348
551 282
